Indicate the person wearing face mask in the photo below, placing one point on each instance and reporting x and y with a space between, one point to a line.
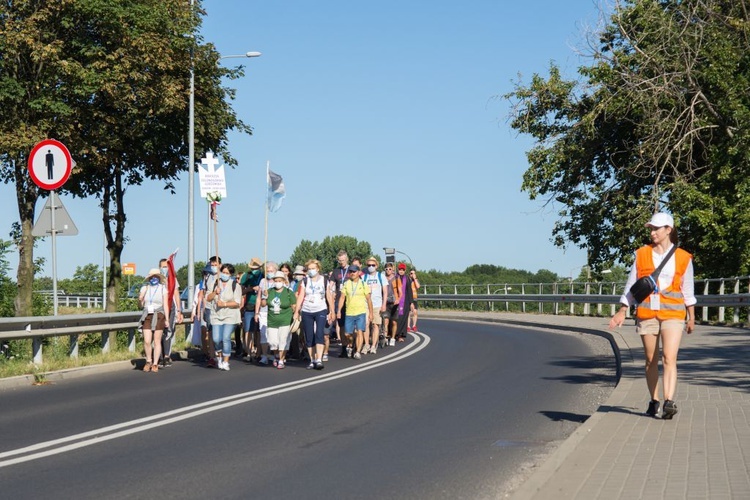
153 298
209 283
338 277
378 284
250 286
226 297
405 291
315 306
261 312
175 317
280 302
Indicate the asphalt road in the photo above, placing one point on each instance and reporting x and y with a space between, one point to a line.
462 410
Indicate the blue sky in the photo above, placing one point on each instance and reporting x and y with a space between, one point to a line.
383 120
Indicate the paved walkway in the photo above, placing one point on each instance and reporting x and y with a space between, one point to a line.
619 453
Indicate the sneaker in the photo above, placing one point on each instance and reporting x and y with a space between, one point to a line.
248 358
279 364
166 362
653 408
365 349
373 349
311 365
318 365
391 341
357 355
670 409
226 366
325 357
348 352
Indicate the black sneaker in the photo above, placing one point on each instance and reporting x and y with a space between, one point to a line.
670 409
653 408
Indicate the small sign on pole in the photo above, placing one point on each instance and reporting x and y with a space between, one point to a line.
50 165
211 176
128 269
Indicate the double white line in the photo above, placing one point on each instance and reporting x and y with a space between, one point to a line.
96 436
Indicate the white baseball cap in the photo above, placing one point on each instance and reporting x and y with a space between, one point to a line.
660 219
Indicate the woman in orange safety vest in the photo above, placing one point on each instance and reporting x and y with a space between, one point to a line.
666 313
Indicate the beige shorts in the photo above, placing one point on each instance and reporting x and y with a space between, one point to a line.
376 318
655 326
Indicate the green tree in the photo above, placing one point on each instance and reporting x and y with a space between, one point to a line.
110 80
657 121
86 280
327 250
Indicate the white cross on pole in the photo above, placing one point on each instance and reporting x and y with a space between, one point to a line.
210 162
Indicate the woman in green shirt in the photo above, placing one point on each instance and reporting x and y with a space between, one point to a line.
281 302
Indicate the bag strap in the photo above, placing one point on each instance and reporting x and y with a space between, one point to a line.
657 271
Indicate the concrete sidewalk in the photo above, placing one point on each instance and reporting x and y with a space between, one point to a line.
704 452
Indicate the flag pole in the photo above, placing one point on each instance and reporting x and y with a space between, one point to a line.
265 238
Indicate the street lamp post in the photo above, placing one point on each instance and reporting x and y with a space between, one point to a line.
390 251
191 173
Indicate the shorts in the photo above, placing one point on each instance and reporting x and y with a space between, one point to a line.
391 312
263 326
161 322
655 326
352 323
279 338
376 318
248 321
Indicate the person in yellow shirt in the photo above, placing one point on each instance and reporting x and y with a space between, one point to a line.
356 296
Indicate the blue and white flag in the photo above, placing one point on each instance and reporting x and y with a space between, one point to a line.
276 191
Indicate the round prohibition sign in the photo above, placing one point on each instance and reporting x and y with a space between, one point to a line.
50 164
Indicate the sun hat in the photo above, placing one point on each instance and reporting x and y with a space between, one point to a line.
299 270
279 274
294 327
660 220
155 272
254 263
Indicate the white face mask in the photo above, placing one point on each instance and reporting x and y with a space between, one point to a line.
278 285
312 273
371 269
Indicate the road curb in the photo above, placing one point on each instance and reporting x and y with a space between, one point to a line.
44 378
625 360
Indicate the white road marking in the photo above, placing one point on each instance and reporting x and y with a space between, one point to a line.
96 436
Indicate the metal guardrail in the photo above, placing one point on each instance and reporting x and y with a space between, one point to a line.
39 327
564 301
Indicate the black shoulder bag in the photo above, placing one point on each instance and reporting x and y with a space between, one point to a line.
645 286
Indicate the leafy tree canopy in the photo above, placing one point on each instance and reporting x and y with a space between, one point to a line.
658 121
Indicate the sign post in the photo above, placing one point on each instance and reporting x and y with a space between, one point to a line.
50 165
213 184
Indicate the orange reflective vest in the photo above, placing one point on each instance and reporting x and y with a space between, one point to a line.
671 300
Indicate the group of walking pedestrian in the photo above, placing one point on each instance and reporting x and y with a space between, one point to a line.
274 310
